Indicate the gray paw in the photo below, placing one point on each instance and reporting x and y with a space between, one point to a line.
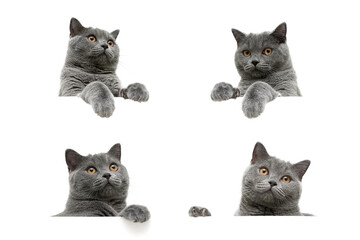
104 108
136 92
199 212
252 108
224 91
135 213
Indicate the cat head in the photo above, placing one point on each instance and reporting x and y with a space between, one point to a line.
258 55
271 182
92 48
100 176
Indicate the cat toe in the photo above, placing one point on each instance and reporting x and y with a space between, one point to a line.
199 212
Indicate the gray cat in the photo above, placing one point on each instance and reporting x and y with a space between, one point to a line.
264 64
89 70
99 185
271 186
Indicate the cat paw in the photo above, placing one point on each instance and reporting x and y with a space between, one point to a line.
135 213
224 91
136 92
253 108
104 108
199 212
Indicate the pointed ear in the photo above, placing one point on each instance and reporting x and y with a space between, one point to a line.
259 153
75 27
73 159
301 167
280 33
239 36
115 152
115 33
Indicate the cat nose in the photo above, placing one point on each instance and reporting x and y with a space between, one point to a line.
272 183
105 46
254 62
107 175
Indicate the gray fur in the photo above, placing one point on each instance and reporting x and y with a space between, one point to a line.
102 193
268 194
89 70
263 77
196 211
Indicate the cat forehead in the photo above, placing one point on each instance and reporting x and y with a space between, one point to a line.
98 33
99 159
276 165
255 41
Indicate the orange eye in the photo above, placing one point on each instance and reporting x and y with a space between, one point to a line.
247 53
110 43
286 179
91 170
92 38
264 171
113 167
267 51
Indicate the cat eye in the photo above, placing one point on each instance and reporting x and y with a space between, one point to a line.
113 167
264 171
92 38
110 43
246 53
267 51
91 170
286 179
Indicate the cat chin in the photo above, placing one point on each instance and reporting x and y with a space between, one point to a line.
107 191
257 73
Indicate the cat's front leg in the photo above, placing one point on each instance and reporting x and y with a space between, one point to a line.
135 213
136 92
256 97
100 98
224 91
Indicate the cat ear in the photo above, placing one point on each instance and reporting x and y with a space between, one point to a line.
75 27
301 167
115 151
73 159
280 33
259 153
115 33
239 36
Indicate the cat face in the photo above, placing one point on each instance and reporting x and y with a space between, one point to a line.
100 176
272 182
258 55
95 47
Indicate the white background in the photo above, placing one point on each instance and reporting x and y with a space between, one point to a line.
180 148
